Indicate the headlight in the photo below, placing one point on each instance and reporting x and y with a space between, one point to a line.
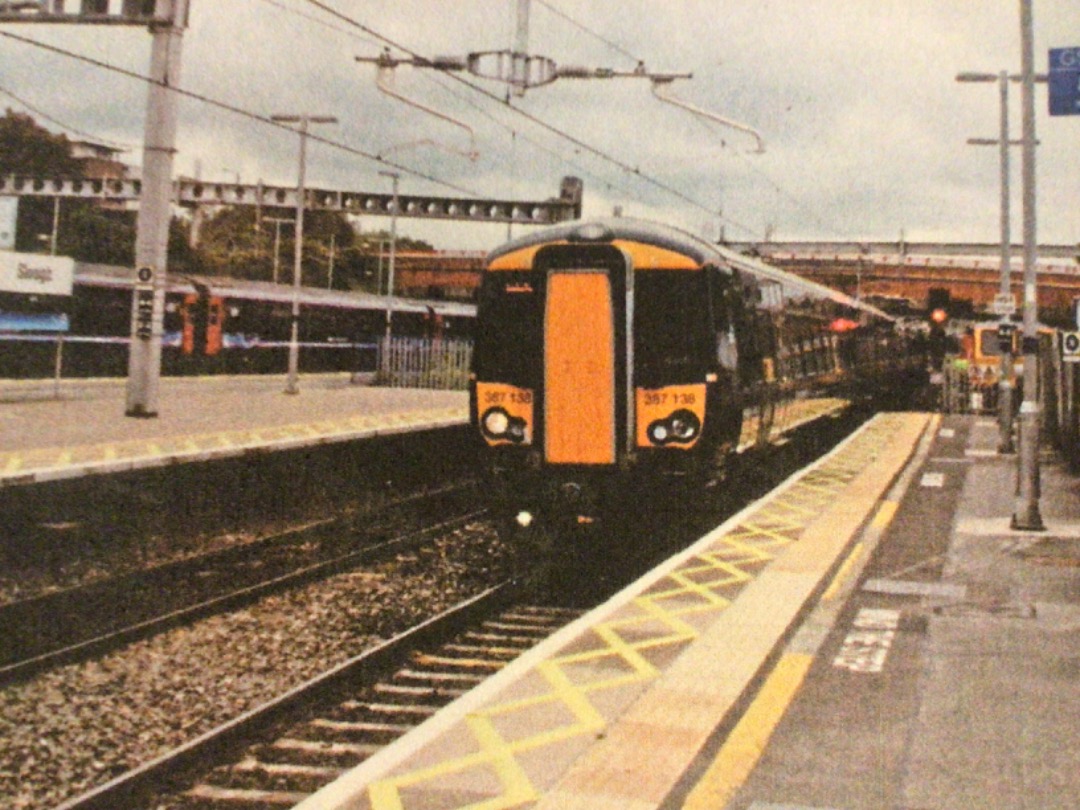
659 432
684 425
495 422
681 426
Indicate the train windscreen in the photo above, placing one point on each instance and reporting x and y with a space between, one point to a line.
508 332
670 327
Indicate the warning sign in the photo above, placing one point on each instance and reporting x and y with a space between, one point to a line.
1070 347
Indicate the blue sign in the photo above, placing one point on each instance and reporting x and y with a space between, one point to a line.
1064 80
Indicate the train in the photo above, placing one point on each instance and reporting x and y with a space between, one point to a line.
211 325
617 357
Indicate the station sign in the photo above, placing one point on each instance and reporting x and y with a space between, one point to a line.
1070 347
36 274
1003 305
144 303
9 212
1064 81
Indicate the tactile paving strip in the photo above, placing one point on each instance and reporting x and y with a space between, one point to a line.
47 463
510 751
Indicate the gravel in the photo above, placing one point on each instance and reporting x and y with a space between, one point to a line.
78 726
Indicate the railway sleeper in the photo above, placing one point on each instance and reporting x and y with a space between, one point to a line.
528 629
385 712
402 693
502 653
321 753
449 663
208 797
555 617
354 731
522 642
461 681
285 777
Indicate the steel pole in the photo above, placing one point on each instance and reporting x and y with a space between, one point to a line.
292 384
155 212
1005 385
1026 515
393 252
519 78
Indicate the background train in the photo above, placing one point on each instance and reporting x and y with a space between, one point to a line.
211 325
614 355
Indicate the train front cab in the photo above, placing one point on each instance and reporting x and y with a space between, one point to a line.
595 369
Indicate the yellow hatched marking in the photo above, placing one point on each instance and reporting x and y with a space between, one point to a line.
693 589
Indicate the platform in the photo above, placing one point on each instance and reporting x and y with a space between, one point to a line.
50 432
870 635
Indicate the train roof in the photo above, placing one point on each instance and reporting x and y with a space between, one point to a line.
101 275
792 287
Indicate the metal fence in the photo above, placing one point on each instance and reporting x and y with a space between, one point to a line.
424 363
961 391
964 392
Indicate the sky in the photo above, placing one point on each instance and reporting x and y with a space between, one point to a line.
856 101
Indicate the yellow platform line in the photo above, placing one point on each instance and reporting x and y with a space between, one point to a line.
748 739
47 458
684 585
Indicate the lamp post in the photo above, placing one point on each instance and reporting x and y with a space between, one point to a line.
393 249
291 385
1006 308
1005 386
278 222
1026 514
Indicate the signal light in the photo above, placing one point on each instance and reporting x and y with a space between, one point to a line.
939 315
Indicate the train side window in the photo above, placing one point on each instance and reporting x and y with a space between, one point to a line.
720 300
750 335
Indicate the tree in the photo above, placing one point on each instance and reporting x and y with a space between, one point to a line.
86 231
233 243
31 150
372 250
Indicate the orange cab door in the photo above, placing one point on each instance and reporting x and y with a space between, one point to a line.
579 369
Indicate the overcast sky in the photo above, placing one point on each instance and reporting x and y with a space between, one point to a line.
863 122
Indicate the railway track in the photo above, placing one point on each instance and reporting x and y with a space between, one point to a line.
278 754
80 622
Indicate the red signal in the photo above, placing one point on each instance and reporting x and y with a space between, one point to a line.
939 316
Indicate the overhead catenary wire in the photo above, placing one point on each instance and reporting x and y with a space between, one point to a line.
318 21
44 115
222 105
707 125
633 170
581 26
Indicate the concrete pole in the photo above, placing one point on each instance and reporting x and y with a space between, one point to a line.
155 212
1026 515
292 383
393 252
520 58
54 238
1005 386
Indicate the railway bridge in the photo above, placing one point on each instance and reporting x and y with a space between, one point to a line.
970 272
889 270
